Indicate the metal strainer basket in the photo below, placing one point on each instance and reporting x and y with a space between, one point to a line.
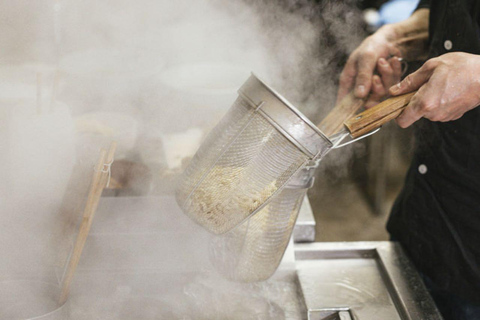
248 158
253 250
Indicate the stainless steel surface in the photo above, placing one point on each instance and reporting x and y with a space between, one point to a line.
253 250
248 158
141 235
339 137
374 280
145 259
189 296
330 314
304 230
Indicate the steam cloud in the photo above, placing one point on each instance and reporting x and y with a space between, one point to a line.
154 75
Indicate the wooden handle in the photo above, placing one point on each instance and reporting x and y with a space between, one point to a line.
99 180
377 116
333 122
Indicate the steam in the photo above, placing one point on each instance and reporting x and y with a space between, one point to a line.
155 76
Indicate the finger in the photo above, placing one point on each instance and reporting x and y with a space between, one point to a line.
378 88
413 81
434 105
438 114
365 65
378 92
396 65
386 72
412 112
347 78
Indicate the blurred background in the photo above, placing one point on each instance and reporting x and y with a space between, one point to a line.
156 76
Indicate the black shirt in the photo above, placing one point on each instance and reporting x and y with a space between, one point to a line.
437 215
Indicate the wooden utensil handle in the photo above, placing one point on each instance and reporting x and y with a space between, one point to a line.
375 117
333 122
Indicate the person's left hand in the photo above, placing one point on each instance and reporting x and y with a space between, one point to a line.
448 86
389 73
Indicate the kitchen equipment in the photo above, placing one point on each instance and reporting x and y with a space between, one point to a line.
100 179
305 227
356 280
255 149
253 250
143 253
145 247
361 280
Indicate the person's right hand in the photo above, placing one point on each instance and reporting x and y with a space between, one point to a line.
359 70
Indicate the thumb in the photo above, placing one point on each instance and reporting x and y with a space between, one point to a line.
412 82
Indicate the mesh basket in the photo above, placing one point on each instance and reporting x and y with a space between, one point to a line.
253 250
248 158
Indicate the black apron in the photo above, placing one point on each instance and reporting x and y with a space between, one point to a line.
437 215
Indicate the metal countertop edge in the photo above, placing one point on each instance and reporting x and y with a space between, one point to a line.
396 270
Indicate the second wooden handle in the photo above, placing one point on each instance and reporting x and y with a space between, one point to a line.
333 122
375 117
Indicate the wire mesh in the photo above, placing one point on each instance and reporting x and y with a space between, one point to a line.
244 161
253 251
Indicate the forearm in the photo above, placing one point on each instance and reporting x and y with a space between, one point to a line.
416 24
410 36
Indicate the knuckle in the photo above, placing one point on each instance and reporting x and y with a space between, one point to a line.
431 64
443 103
401 123
427 106
363 77
368 54
428 64
408 81
343 81
437 117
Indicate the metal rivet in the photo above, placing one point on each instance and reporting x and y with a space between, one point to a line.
448 45
422 169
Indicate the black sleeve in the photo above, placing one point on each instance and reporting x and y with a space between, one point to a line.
423 4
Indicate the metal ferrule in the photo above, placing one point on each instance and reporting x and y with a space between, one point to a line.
285 117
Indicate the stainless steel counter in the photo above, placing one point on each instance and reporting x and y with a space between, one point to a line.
304 230
361 280
144 259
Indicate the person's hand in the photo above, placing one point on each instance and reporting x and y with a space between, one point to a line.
448 86
389 73
359 69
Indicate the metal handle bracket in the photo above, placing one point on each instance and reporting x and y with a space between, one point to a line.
338 144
